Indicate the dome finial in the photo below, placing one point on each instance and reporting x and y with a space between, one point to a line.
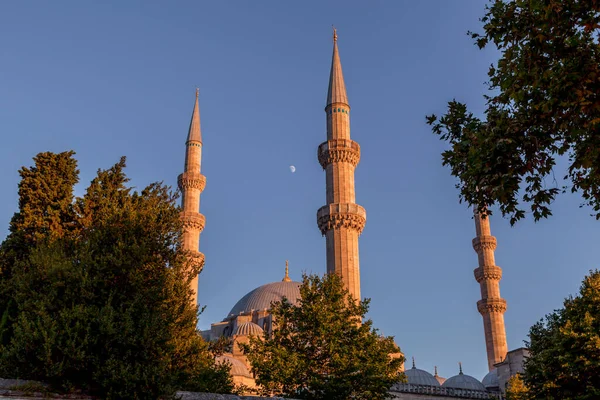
334 33
460 368
435 370
286 278
413 359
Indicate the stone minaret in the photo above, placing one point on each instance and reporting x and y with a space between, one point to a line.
342 220
191 183
491 306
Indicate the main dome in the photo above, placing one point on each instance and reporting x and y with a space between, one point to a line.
462 381
262 297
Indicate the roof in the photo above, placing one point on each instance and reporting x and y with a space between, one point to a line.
417 376
262 297
462 381
249 328
238 368
491 379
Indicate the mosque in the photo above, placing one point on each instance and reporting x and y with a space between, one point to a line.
341 221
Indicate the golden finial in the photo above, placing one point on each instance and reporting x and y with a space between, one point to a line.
286 278
334 33
197 91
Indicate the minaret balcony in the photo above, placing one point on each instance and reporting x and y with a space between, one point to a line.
338 150
344 215
488 272
486 306
193 221
195 259
191 180
485 242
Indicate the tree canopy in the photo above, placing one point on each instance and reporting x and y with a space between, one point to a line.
319 349
543 104
94 291
564 363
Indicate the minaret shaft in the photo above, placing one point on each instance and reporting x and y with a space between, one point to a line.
491 306
191 183
342 220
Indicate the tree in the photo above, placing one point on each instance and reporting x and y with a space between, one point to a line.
516 389
565 348
319 349
105 309
542 105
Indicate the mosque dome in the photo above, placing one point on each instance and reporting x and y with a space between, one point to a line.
491 379
438 378
416 376
262 297
238 368
249 328
462 381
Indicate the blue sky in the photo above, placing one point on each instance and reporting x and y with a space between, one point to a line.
118 78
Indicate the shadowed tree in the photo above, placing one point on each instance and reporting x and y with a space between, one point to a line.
564 363
543 104
108 308
319 349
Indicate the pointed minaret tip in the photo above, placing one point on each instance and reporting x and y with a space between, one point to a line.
286 278
337 87
195 133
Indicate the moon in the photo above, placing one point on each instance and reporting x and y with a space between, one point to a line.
292 169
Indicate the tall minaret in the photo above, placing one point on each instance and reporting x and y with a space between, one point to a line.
342 220
191 183
491 306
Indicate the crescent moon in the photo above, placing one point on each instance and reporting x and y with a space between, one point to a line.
292 169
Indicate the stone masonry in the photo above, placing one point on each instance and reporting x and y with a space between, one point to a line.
491 306
191 183
342 220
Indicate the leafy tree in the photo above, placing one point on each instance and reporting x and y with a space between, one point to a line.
319 349
107 308
543 104
564 363
516 389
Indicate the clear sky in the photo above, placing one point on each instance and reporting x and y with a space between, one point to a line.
118 78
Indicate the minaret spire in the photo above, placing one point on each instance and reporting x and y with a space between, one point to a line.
341 220
491 306
191 183
286 278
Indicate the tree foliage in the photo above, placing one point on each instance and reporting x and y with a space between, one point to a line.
543 103
319 349
564 363
95 290
516 389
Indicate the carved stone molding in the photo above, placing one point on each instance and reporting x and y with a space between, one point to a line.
345 215
486 306
191 180
339 150
488 272
192 221
485 243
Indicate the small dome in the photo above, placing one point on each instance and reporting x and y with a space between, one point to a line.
491 379
238 368
249 328
462 381
438 378
262 297
416 376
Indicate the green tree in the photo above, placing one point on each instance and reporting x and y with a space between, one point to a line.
516 389
107 309
564 363
542 104
319 349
